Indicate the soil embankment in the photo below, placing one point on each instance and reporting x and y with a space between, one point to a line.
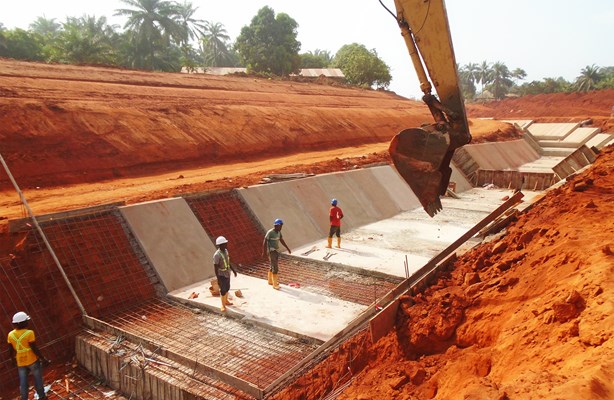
82 136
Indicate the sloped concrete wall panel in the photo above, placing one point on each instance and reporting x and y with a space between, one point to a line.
173 240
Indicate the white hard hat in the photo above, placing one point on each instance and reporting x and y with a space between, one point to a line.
220 240
20 317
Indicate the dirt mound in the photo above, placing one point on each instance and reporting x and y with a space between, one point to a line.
82 136
518 317
556 107
66 124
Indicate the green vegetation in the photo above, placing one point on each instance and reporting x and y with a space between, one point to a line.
497 81
269 45
362 67
163 35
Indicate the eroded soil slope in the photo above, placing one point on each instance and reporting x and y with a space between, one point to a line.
529 315
80 136
60 120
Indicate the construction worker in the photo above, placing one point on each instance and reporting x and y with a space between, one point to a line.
270 246
26 356
335 215
221 263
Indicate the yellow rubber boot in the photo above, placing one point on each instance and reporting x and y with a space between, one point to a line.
275 282
339 242
270 278
223 308
330 243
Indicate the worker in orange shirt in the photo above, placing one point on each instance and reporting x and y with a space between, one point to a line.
335 215
26 355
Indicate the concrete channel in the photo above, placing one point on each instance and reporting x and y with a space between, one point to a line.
143 272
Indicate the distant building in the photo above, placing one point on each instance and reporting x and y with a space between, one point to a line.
314 73
484 97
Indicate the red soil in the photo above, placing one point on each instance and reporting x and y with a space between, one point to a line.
526 316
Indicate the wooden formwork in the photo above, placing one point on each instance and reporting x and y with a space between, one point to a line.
465 163
574 162
515 179
140 374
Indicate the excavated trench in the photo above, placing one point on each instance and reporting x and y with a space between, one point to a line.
147 340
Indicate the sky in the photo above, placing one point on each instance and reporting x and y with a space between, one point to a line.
546 38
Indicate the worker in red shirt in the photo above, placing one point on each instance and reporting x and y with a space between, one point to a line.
335 215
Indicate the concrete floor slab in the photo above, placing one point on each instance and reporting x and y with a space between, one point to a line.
551 131
383 245
600 140
289 310
173 240
581 135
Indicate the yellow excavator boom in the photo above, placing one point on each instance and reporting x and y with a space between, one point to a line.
423 155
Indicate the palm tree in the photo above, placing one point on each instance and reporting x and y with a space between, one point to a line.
153 27
192 28
484 74
215 45
467 75
473 72
501 80
88 40
45 27
590 76
519 74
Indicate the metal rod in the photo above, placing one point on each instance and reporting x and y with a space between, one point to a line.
40 231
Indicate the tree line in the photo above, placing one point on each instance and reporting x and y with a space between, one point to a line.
161 35
496 80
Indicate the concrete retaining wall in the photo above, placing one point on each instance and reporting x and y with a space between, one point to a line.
365 196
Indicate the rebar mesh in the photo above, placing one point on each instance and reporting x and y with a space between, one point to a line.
106 272
115 283
137 362
225 214
327 279
252 353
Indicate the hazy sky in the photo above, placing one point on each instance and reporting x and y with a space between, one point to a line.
546 38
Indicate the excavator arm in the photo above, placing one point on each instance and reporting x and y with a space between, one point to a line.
423 155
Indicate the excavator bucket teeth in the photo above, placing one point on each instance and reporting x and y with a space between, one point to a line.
422 159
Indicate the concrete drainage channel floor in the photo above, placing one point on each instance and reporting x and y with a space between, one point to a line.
177 343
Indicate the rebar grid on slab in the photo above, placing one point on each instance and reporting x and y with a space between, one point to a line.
254 354
327 279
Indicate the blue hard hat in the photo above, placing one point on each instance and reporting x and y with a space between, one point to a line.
333 202
278 222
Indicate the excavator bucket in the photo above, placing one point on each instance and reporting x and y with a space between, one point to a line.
422 158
